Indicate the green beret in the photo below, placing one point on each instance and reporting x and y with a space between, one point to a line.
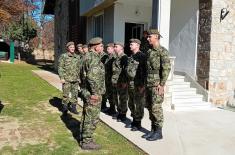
154 31
135 41
119 43
69 44
110 45
95 41
79 45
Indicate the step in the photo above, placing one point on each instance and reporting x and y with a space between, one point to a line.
178 80
178 77
193 104
187 100
180 93
183 89
178 109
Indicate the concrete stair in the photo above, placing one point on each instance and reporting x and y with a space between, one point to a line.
185 98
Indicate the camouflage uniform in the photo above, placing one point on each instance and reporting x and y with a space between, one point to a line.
119 81
95 85
136 71
69 70
158 68
145 46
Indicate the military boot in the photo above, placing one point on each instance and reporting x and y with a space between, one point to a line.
64 109
111 111
132 124
149 134
73 109
156 135
121 117
137 126
90 146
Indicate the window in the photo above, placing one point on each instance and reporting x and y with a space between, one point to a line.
98 25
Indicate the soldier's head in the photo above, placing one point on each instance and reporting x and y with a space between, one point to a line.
110 48
118 48
70 46
153 36
145 34
135 45
79 48
96 44
85 48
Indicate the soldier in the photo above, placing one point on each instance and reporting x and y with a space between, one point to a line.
95 88
119 81
158 68
79 49
108 81
85 49
136 71
145 46
69 70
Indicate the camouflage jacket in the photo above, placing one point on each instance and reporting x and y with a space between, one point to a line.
119 69
158 66
69 67
136 69
95 74
108 68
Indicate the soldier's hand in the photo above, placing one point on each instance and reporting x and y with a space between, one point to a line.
62 81
94 99
160 90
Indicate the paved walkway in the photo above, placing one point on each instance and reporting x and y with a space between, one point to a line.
196 132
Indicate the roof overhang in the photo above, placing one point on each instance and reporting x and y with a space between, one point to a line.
99 7
49 7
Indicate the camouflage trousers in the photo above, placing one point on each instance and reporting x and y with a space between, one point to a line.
120 97
90 120
136 103
108 95
70 87
154 105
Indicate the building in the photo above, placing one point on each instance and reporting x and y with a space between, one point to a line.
200 33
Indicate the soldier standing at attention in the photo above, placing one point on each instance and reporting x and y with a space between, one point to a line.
79 50
94 88
136 71
85 49
145 46
158 68
119 81
69 70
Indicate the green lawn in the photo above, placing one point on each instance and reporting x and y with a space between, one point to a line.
36 127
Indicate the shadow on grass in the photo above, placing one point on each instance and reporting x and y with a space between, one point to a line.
1 106
71 123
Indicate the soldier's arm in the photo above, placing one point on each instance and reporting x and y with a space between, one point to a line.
165 66
61 70
116 71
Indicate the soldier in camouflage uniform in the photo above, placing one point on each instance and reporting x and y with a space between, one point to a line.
79 49
69 70
145 46
95 88
136 71
85 49
119 81
158 68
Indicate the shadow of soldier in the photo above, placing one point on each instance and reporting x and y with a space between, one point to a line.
1 106
70 122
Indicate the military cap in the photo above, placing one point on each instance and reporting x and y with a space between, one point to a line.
135 41
110 45
84 46
70 43
119 43
79 45
95 41
154 31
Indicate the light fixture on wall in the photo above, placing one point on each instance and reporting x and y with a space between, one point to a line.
137 12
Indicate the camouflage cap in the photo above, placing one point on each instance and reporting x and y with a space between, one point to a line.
135 41
95 41
70 43
154 31
119 43
110 45
79 45
85 46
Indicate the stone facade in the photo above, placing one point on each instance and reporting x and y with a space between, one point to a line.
204 38
61 27
222 54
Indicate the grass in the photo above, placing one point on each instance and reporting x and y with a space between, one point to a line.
26 98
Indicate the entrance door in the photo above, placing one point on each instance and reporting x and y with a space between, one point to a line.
132 30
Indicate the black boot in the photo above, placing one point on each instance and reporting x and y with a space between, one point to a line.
64 109
73 109
111 112
156 135
137 126
132 124
149 134
121 117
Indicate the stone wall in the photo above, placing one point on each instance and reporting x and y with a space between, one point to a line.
204 39
41 54
222 54
61 28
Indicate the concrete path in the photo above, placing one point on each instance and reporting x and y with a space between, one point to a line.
196 132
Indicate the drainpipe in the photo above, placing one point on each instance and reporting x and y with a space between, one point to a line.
12 51
155 14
